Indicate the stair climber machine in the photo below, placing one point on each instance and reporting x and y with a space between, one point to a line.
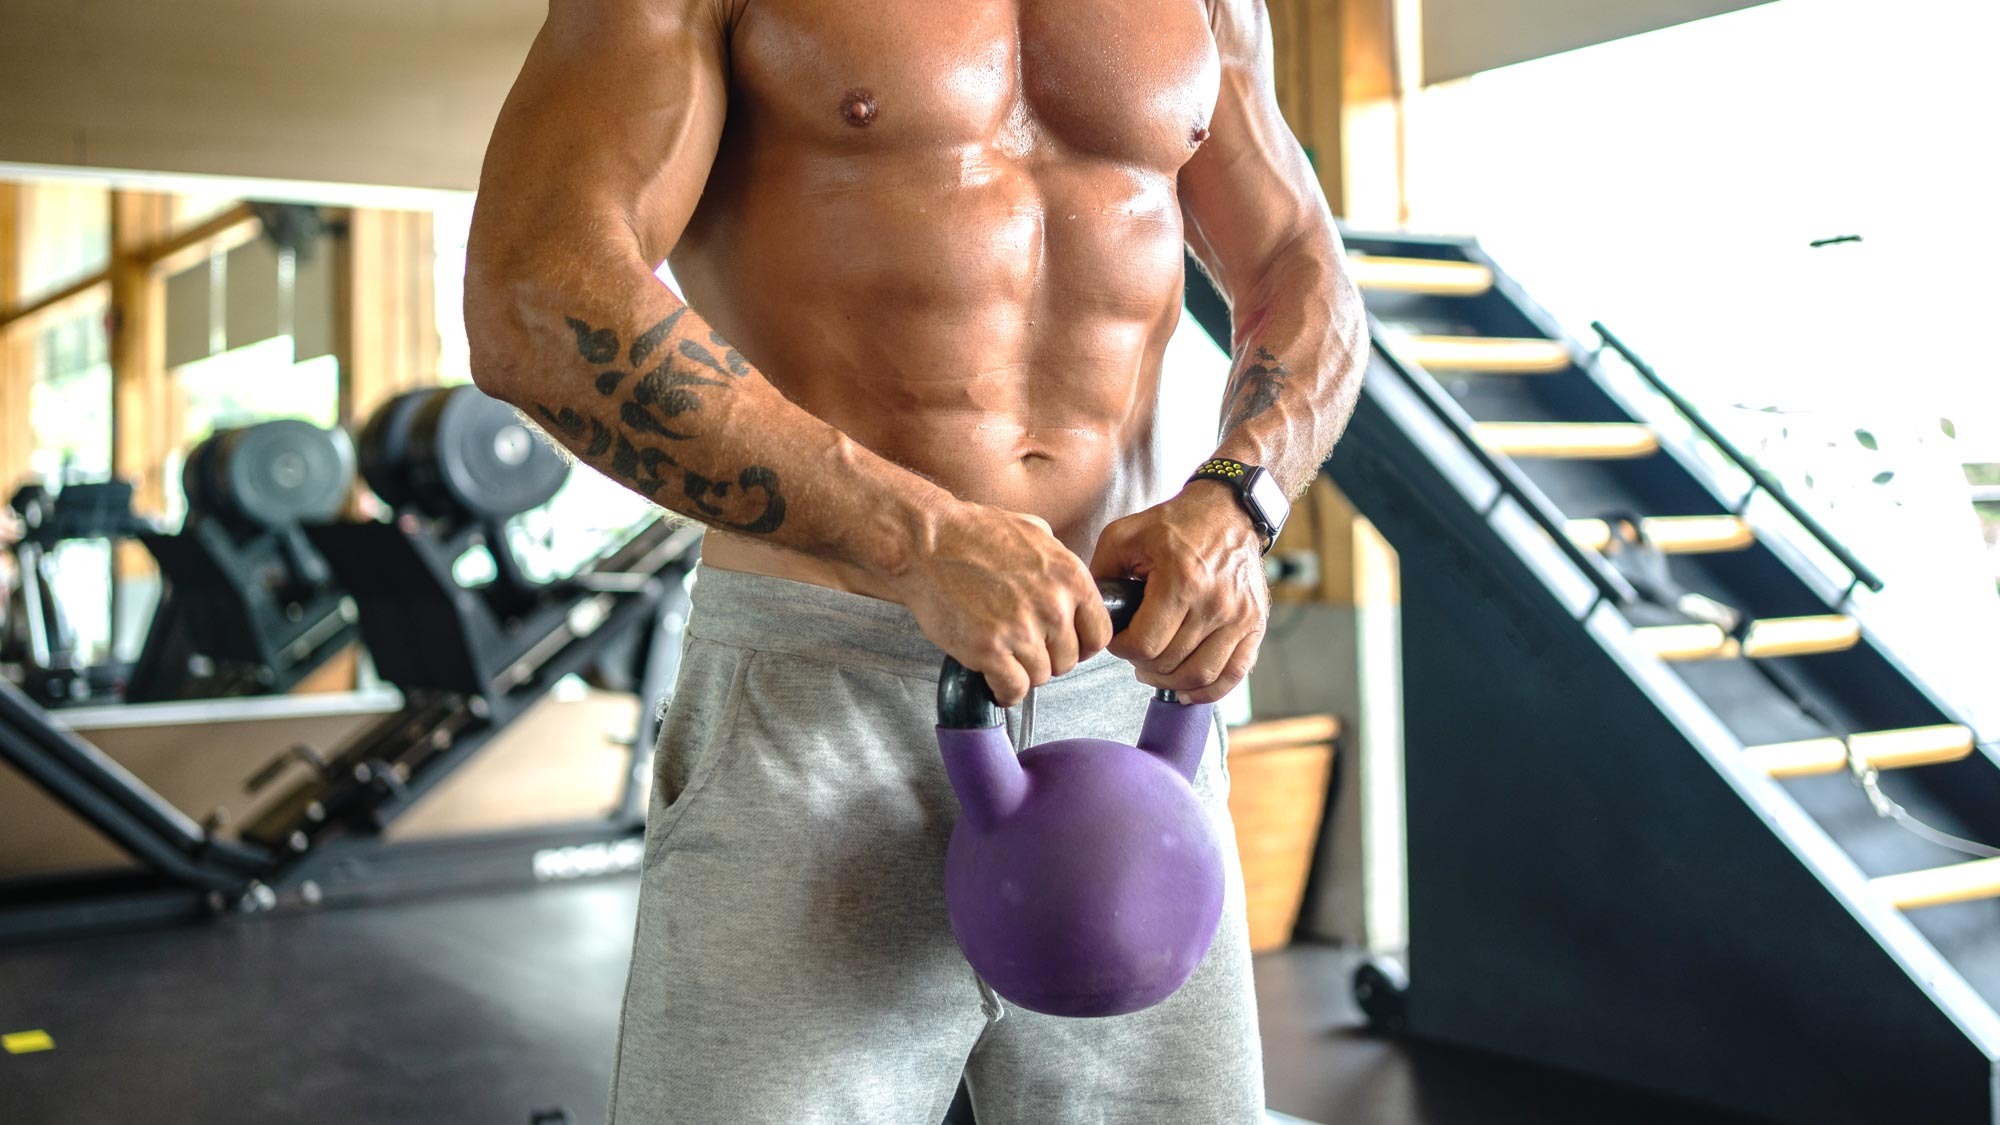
453 619
1675 816
247 605
38 645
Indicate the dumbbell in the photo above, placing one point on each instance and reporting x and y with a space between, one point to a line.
454 451
270 475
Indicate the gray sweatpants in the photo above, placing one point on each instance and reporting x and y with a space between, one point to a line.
793 963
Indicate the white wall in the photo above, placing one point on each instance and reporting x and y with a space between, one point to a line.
394 92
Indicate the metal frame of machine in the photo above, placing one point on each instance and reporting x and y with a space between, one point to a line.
321 842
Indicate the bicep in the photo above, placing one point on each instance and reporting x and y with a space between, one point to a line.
1248 192
615 118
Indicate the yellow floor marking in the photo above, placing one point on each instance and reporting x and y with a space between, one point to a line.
26 1042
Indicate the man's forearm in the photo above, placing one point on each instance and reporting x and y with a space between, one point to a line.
636 384
1301 345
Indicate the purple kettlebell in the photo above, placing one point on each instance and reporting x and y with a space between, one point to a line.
1083 877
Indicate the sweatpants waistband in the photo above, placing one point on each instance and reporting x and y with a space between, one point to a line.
767 614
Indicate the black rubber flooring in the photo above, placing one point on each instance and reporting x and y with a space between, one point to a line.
478 1010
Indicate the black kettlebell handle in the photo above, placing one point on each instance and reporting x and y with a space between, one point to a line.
965 702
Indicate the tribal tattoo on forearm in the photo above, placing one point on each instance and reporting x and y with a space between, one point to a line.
658 406
1255 389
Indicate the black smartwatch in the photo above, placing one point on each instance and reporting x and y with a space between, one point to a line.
1258 492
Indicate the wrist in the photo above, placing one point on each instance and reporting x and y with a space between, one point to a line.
1212 508
909 530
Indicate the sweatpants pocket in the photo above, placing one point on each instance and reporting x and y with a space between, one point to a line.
697 738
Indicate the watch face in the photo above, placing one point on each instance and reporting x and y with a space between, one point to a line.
1269 499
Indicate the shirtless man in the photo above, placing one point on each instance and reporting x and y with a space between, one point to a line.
932 255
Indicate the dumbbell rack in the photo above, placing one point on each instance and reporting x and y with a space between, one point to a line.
1633 847
321 839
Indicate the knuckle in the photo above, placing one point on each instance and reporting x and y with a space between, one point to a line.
1213 672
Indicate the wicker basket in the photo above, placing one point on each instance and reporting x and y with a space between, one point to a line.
1278 776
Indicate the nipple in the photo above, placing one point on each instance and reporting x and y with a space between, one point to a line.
857 108
1197 135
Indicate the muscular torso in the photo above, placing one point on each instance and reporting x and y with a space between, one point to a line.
951 229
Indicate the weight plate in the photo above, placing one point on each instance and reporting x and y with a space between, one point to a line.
473 454
385 446
197 475
285 472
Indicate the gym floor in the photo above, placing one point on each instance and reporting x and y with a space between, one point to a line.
481 1009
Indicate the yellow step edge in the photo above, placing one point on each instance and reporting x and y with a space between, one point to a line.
1801 636
1419 275
1882 749
1675 535
1599 441
1941 886
1488 354
1768 637
1685 642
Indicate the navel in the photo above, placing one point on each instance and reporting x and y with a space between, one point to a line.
857 108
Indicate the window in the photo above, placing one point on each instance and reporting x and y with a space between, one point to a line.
69 403
1785 209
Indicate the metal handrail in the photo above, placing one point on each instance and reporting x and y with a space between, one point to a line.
1610 584
1760 477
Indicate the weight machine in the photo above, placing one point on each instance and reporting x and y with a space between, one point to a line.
469 657
247 606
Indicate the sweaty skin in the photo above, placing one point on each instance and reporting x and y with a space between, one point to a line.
931 255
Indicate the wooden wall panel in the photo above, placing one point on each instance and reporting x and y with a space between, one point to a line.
384 308
1375 77
143 406
1341 68
17 369
395 92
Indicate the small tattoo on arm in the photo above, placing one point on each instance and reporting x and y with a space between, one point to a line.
566 421
710 498
731 358
641 420
1255 389
701 355
664 380
650 340
597 346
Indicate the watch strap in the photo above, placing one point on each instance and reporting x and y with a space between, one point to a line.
1237 475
